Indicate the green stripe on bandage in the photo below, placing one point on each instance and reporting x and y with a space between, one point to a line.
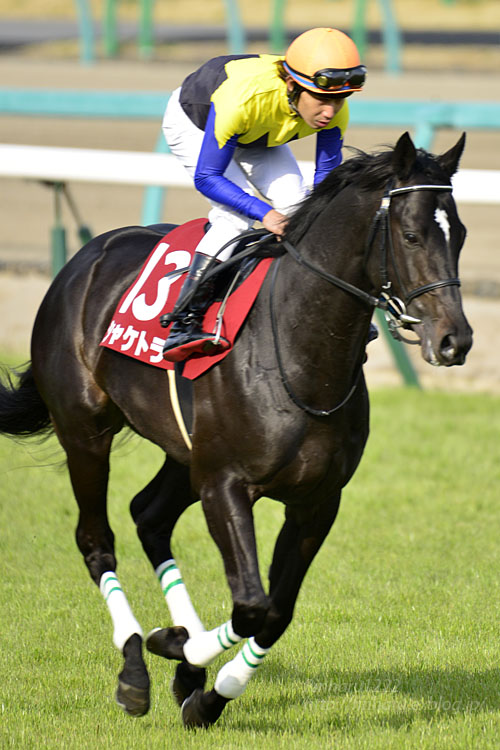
171 585
222 645
252 666
257 656
233 643
110 578
116 588
170 567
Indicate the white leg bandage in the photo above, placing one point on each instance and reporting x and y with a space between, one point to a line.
177 598
233 678
123 618
203 648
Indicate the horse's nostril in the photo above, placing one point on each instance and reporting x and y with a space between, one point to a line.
448 348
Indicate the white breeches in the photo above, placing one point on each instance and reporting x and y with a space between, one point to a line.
273 172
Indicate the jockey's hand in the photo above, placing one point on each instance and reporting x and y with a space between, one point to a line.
275 222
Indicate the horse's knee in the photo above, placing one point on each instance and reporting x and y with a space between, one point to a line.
248 617
140 510
97 550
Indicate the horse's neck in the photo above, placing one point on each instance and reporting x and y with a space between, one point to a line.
336 245
322 329
322 305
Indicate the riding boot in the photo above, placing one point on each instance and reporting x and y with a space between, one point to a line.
186 336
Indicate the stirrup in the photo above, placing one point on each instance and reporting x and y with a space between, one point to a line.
203 344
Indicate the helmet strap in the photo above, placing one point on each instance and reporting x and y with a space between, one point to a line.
293 97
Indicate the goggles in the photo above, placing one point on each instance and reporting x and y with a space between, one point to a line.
330 79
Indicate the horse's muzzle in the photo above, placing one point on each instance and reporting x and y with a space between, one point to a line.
448 349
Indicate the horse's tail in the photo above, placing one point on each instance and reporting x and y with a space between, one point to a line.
22 410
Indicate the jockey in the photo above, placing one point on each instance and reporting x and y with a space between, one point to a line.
230 123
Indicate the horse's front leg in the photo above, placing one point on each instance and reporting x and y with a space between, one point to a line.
299 540
156 510
228 510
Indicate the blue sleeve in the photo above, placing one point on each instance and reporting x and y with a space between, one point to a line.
209 175
328 152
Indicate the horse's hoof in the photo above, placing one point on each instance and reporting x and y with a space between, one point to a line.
187 679
133 700
191 713
201 709
133 681
167 642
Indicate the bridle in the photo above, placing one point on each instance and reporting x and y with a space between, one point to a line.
394 308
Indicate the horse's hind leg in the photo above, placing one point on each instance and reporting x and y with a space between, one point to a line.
88 464
156 510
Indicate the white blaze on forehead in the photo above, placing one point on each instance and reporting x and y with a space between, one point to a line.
442 220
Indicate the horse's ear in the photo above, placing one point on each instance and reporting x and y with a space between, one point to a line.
449 160
403 157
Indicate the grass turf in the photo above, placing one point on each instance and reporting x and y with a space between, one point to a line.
394 643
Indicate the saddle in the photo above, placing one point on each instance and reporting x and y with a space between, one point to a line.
135 330
223 278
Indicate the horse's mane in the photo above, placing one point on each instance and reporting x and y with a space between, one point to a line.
366 172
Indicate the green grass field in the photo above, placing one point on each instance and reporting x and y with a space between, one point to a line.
395 638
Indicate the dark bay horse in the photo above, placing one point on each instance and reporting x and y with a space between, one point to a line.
285 415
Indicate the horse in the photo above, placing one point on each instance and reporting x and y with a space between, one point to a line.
285 415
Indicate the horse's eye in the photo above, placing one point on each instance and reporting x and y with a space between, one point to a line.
410 238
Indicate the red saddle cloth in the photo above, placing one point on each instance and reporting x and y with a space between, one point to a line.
135 329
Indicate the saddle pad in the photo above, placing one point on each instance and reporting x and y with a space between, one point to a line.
135 330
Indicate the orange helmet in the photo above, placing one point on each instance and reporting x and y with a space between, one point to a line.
325 61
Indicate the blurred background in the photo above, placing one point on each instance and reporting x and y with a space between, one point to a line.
418 52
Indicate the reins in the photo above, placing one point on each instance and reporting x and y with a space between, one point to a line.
274 327
380 222
393 307
335 280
